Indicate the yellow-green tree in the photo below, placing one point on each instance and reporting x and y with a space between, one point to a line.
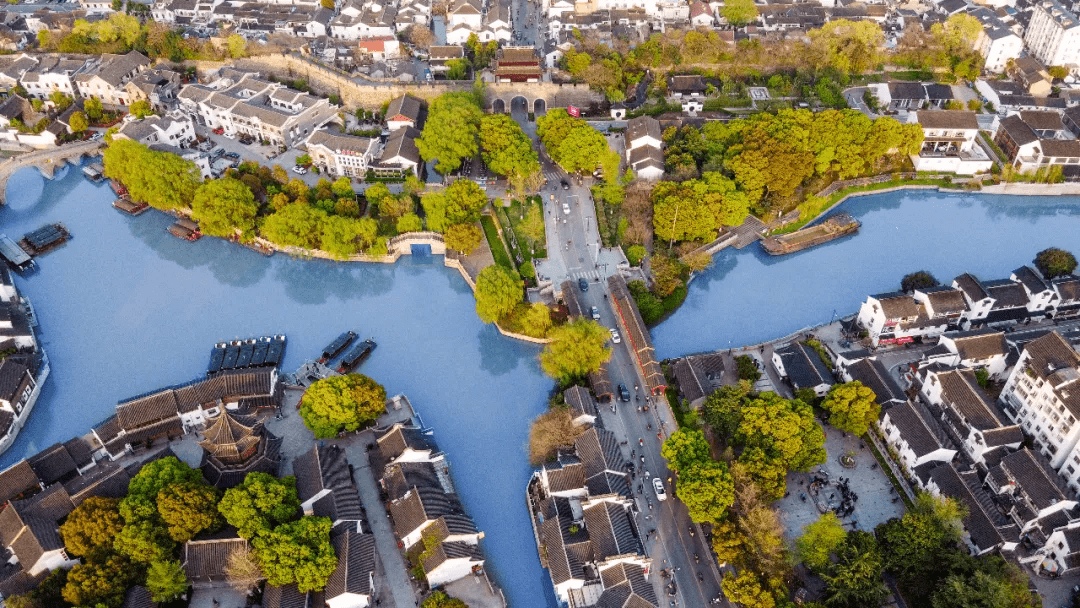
739 12
92 526
224 206
497 293
576 350
342 403
851 47
852 407
819 541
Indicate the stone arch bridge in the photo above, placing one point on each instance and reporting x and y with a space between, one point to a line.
47 161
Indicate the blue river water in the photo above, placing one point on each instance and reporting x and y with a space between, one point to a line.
126 308
749 297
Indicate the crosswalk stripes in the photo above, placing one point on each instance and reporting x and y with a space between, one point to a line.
583 274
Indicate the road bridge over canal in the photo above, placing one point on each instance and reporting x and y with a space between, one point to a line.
46 160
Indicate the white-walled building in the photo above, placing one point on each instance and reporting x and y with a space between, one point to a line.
997 43
340 155
643 141
967 413
1042 395
174 129
912 433
949 143
1053 34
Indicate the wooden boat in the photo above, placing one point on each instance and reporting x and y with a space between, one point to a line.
44 239
217 357
356 356
185 229
130 207
334 348
95 172
836 226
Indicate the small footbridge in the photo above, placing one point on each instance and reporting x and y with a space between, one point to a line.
47 161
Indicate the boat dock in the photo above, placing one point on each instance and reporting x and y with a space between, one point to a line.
185 229
839 225
129 207
15 255
267 351
44 239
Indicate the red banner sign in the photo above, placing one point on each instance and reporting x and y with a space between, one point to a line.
572 111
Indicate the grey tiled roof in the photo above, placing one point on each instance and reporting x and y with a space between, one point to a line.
107 479
604 463
611 530
288 596
961 392
205 560
913 428
873 374
1032 478
17 479
356 563
404 107
580 401
947 119
980 344
980 527
804 367
897 305
1030 279
643 126
52 464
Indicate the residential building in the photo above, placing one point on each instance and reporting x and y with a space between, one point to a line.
581 405
898 318
352 584
976 349
400 156
686 86
949 143
158 86
404 111
258 108
701 15
997 43
698 376
340 155
1068 290
325 487
861 366
1042 395
919 442
106 78
440 55
53 74
991 302
801 366
1053 34
967 414
985 527
1033 492
173 129
644 147
205 561
1042 297
29 528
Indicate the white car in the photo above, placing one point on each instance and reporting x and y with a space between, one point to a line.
659 487
566 208
595 312
615 336
230 135
299 170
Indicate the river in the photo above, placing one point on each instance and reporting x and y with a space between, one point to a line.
749 297
126 308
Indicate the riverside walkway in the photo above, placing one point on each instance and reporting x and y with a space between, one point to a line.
46 160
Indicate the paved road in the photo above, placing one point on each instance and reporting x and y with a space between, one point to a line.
574 251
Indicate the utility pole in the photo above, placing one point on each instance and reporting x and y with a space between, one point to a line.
671 242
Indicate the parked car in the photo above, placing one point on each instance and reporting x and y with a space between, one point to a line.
299 170
658 485
566 208
232 155
583 285
615 336
230 136
96 136
595 312
624 395
216 152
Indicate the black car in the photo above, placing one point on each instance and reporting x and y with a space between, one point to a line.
565 185
583 285
624 395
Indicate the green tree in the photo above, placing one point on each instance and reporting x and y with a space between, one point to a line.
78 122
295 225
854 581
722 409
1054 262
161 179
852 407
685 449
450 131
915 544
410 222
61 100
849 47
140 109
458 69
342 186
532 225
819 541
93 108
987 581
345 236
297 552
746 590
259 504
497 293
707 490
739 12
99 583
144 541
785 429
668 275
507 150
187 509
439 599
92 526
376 193
342 403
460 203
576 350
166 580
223 206
139 504
237 45
464 238
919 279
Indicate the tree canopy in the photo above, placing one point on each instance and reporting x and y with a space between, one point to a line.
139 504
695 210
850 47
854 580
161 179
342 403
260 503
685 448
852 407
295 225
297 552
497 293
707 490
739 12
464 238
459 203
100 583
223 205
576 146
1054 262
508 150
820 540
919 279
187 509
92 526
576 350
450 132
166 580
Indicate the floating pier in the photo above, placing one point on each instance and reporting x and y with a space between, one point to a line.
44 239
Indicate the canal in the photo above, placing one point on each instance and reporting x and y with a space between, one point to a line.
749 297
126 308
